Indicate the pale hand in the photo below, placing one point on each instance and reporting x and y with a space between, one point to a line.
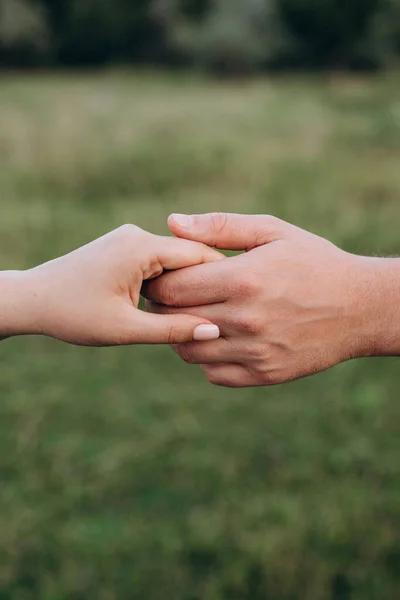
91 296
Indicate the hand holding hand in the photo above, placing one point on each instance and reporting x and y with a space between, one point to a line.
294 304
90 297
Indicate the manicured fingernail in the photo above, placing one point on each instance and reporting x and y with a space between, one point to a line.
204 333
184 221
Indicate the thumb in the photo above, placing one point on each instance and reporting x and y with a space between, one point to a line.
229 231
171 329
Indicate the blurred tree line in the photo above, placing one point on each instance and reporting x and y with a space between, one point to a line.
224 36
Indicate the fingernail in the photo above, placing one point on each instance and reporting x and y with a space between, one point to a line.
204 333
184 221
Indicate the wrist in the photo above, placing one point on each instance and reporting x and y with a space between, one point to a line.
378 306
16 307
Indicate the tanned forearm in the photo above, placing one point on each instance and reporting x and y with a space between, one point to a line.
382 300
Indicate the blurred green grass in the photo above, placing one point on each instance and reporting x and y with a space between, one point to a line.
124 475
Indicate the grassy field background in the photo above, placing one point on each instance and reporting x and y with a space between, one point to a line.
124 475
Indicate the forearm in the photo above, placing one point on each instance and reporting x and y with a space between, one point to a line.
16 315
380 299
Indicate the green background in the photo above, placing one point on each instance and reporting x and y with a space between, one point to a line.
125 475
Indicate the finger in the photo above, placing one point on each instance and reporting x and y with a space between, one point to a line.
229 375
230 231
198 285
174 253
170 329
214 352
212 313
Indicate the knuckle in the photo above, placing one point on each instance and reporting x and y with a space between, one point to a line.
259 354
167 292
185 353
247 286
271 228
256 326
128 236
174 335
218 221
127 230
276 379
126 227
270 221
271 378
251 325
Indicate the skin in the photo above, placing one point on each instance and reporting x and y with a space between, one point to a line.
292 305
90 297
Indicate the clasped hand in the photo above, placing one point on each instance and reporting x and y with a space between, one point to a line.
289 305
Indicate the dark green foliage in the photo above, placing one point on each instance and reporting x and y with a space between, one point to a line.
231 38
99 31
195 9
222 35
23 34
328 34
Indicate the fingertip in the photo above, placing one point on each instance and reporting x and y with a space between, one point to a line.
185 240
180 221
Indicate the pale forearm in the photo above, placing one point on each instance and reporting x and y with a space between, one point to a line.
15 311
